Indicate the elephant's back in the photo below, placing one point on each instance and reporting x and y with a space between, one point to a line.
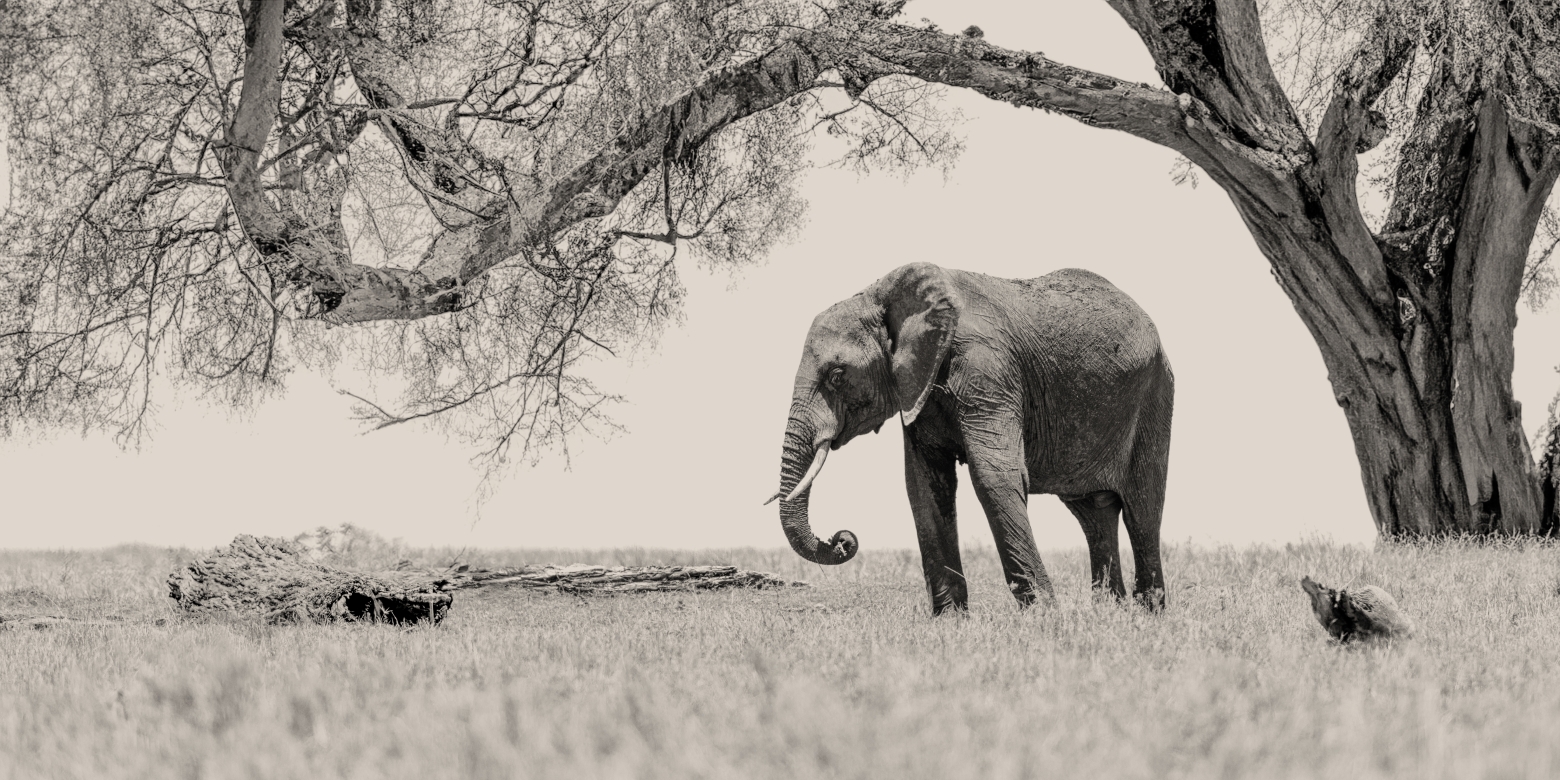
1083 311
1079 292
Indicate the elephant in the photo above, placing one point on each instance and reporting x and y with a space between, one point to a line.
1055 385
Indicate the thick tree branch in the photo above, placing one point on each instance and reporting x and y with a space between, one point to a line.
1213 50
504 226
595 187
1228 115
1261 176
1419 226
1349 128
313 246
458 182
1019 78
251 128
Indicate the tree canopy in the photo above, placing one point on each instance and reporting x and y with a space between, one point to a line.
496 189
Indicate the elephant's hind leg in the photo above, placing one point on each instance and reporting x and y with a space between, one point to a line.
1100 515
1142 520
1144 499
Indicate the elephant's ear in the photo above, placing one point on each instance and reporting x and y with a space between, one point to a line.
923 314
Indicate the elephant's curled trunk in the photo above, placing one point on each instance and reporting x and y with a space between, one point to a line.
796 463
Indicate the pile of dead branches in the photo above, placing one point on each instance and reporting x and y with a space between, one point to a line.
278 580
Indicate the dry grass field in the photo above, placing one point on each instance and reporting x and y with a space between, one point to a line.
849 678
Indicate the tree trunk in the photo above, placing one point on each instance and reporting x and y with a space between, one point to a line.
1425 380
1435 427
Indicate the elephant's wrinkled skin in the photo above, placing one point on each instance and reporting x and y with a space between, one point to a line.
1049 385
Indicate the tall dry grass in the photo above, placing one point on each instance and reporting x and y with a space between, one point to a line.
849 678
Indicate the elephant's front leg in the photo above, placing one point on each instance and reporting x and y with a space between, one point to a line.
931 481
995 451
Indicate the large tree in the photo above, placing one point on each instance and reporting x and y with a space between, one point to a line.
504 183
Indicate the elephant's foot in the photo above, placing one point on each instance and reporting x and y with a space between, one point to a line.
1152 599
1028 592
1115 587
950 609
949 597
1102 592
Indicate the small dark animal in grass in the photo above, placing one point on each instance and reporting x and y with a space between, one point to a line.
1364 614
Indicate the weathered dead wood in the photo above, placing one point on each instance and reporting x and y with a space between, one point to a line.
41 622
584 578
277 580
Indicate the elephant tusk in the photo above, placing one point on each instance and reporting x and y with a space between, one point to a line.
812 471
773 497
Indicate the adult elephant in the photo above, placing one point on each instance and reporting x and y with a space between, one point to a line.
1049 385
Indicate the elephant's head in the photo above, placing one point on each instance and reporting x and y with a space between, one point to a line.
865 359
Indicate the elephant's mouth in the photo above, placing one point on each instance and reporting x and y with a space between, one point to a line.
862 425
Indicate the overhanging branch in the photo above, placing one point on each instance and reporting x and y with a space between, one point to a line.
1020 78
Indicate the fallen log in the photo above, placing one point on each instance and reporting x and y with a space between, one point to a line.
41 622
584 578
277 580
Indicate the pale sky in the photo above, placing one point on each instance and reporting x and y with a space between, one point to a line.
1261 452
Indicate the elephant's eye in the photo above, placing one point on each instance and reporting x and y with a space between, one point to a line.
835 378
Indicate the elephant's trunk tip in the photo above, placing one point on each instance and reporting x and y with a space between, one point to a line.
844 545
